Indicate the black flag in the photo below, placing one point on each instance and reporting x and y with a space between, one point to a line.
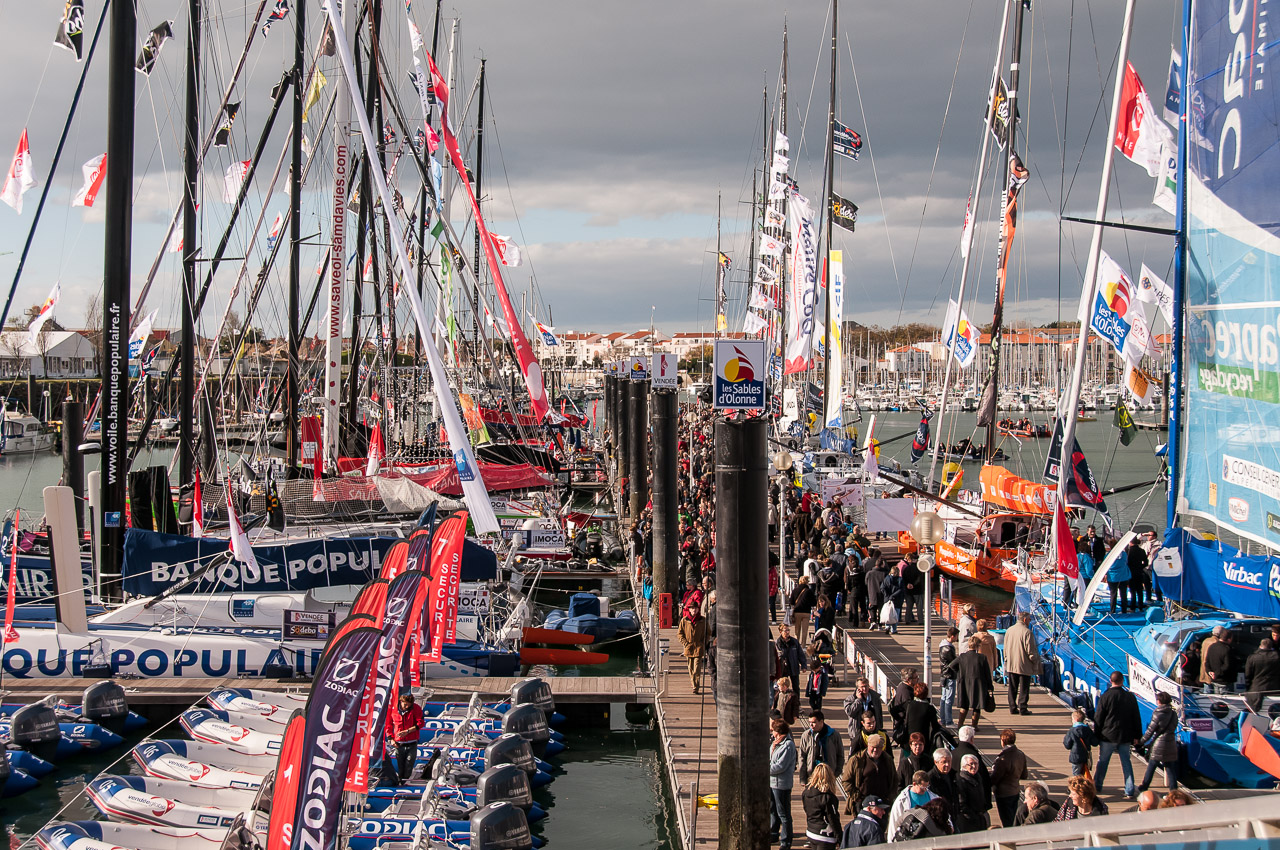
151 49
843 213
1124 421
224 129
921 443
71 31
275 510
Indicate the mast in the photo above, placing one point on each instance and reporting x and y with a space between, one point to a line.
117 267
291 399
338 252
781 350
1179 275
831 179
991 392
721 323
479 171
190 174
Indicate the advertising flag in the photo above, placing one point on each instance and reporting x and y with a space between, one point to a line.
374 464
274 233
1140 135
843 213
161 33
446 564
139 337
223 136
845 141
966 231
508 251
780 142
770 247
71 30
1113 304
1064 543
547 333
94 170
753 323
46 311
1124 421
1018 175
1153 290
278 13
834 396
802 301
288 779
760 299
234 179
920 444
240 548
22 175
1000 118
10 633
197 508
960 335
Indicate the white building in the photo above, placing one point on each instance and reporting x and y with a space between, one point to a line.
55 354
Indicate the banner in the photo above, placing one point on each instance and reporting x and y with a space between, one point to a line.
802 301
46 311
843 213
1008 226
845 141
1065 544
1082 489
960 335
11 591
1124 421
1153 290
999 114
288 778
920 444
140 334
445 578
327 743
160 33
1218 574
71 30
22 175
1116 310
834 395
1139 134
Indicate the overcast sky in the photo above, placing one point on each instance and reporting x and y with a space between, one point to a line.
615 127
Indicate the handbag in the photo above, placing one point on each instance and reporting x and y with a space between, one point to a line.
889 614
989 700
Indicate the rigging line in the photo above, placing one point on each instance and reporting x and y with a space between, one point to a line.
1062 175
876 176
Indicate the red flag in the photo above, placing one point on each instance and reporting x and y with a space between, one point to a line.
197 510
94 171
1067 563
371 601
284 795
446 569
377 451
10 633
21 177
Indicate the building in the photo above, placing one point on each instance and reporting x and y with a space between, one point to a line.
53 354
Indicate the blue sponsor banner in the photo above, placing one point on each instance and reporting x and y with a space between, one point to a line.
1221 576
1231 346
35 579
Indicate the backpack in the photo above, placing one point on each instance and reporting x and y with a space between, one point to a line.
915 823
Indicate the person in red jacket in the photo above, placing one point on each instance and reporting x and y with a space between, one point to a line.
404 727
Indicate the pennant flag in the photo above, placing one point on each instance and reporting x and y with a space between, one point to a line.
71 30
10 633
770 247
845 141
420 141
547 333
774 218
388 134
724 260
1124 421
765 275
1139 134
22 175
781 162
197 508
843 213
1116 293
46 310
224 129
508 251
274 233
278 13
960 335
231 185
1153 290
780 142
1064 543
240 548
920 444
161 33
275 510
318 82
753 323
94 170
1139 383
140 334
966 231
376 452
760 300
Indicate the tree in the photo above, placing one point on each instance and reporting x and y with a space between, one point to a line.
44 342
93 328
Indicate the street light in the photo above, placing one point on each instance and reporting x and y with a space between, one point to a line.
927 528
783 463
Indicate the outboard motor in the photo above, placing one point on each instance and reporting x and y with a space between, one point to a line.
34 728
262 802
6 770
105 703
509 748
500 826
529 722
534 690
239 836
505 783
447 773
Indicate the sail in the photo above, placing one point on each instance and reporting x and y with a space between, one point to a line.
832 418
1230 458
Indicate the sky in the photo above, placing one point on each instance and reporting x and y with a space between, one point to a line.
622 137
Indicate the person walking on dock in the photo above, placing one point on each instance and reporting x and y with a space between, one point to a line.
1079 742
972 802
855 588
1162 738
802 601
1021 662
894 592
868 773
967 625
863 699
947 662
819 744
790 654
405 722
974 689
782 764
868 827
786 701
1119 726
1007 774
821 809
987 645
919 716
693 637
913 758
816 684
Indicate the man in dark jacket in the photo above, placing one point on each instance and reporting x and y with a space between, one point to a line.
1262 673
868 827
874 578
1007 773
1119 726
942 779
1219 665
863 699
855 588
831 579
1036 807
1139 575
791 658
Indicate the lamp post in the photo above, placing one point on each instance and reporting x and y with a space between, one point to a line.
783 463
927 528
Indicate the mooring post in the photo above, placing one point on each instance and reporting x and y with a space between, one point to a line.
666 531
72 460
742 684
638 445
623 441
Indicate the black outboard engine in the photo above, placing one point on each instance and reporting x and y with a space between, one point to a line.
534 690
529 722
593 546
450 773
239 836
505 783
510 748
500 826
105 703
34 728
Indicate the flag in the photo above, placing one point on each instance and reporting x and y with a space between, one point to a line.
10 633
388 134
275 510
1139 383
415 37
376 452
288 778
780 142
161 33
843 213
223 135
760 300
753 323
46 310
1082 489
999 114
920 444
22 175
966 231
1139 134
1112 304
274 233
446 564
147 359
318 82
508 251
781 162
960 335
1153 290
723 259
94 170
802 297
765 275
240 548
845 141
71 30
236 172
774 218
1068 565
770 247
139 337
1124 421
547 333
197 509
278 13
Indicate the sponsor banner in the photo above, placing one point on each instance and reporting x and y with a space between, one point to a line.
309 625
739 375
1146 683
833 412
288 777
638 367
802 295
442 599
848 491
33 580
956 560
473 600
1221 576
664 371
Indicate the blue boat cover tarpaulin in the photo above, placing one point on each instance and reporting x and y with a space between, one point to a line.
153 562
1221 576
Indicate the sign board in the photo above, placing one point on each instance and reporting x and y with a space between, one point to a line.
1145 683
309 625
544 538
739 375
664 371
473 599
638 367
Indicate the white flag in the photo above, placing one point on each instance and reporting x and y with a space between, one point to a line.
753 323
1166 194
94 170
1139 342
1153 290
770 247
140 334
22 175
780 163
774 218
960 335
240 548
236 173
780 143
46 310
966 232
764 274
508 251
760 301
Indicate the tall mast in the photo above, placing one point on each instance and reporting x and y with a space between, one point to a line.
831 178
720 317
190 174
117 266
479 172
338 252
291 399
782 264
991 392
1179 275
